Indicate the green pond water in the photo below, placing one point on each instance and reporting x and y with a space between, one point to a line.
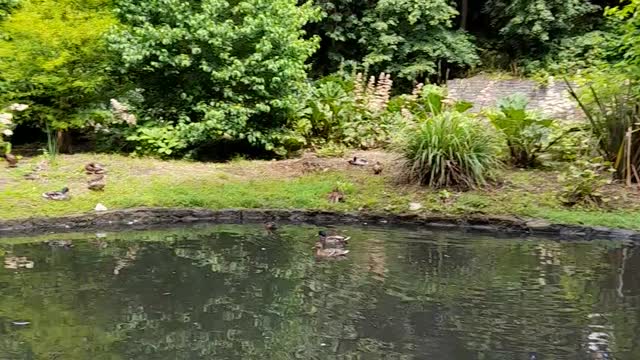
237 292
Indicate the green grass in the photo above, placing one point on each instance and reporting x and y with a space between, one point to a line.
263 184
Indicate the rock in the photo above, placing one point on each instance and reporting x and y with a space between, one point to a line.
413 206
100 207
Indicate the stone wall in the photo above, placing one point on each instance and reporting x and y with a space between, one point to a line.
552 99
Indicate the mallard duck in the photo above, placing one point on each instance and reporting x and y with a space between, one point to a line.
321 252
60 243
97 183
93 168
57 195
358 161
377 168
271 226
336 196
332 240
12 160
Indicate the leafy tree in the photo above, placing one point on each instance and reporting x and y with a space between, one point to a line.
530 26
6 6
340 31
53 58
411 38
212 70
629 46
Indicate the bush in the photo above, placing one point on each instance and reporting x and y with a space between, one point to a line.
612 106
53 57
527 134
347 110
450 150
583 181
213 71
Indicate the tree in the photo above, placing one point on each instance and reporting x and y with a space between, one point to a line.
413 38
529 27
629 46
213 70
54 59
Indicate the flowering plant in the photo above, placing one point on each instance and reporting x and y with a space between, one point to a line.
6 125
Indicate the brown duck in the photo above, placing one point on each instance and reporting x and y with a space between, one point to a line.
93 168
321 252
332 241
271 226
336 196
377 168
11 159
97 183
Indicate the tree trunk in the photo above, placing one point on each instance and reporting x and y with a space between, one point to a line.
64 142
464 13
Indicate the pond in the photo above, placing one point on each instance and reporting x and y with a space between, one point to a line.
238 292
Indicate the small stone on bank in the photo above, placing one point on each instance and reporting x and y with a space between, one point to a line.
415 206
100 207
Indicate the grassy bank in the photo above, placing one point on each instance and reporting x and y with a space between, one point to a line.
299 183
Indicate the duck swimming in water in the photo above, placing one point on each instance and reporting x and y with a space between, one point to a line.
57 195
271 226
321 252
334 241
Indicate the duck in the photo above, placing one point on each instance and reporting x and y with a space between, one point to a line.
57 195
377 168
11 159
97 183
336 196
358 161
332 240
321 252
271 226
60 243
93 168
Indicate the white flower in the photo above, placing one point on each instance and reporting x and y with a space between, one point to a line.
7 132
18 107
5 118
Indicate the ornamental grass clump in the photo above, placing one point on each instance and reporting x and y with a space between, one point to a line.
450 149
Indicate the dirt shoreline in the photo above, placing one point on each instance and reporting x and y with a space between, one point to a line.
142 218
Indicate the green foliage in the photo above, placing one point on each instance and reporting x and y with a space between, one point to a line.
529 26
347 110
582 183
52 57
411 38
6 130
450 150
526 133
213 70
6 6
612 108
629 45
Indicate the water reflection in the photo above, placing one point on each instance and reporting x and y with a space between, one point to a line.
239 292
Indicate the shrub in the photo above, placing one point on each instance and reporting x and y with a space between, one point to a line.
450 150
347 110
527 134
214 71
612 106
53 57
583 181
